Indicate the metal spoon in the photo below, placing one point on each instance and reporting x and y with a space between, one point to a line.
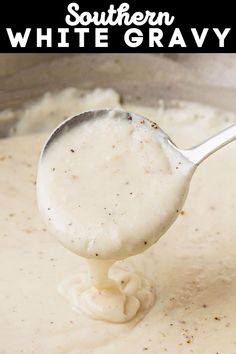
194 155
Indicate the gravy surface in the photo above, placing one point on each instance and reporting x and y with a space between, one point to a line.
192 267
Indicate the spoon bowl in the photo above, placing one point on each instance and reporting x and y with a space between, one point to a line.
118 231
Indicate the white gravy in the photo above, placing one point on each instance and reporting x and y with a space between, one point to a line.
108 189
192 268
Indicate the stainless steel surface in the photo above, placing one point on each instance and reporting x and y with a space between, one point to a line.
209 79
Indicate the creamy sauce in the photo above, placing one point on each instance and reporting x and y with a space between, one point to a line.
115 300
111 186
108 188
192 267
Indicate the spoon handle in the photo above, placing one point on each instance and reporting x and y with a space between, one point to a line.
199 153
